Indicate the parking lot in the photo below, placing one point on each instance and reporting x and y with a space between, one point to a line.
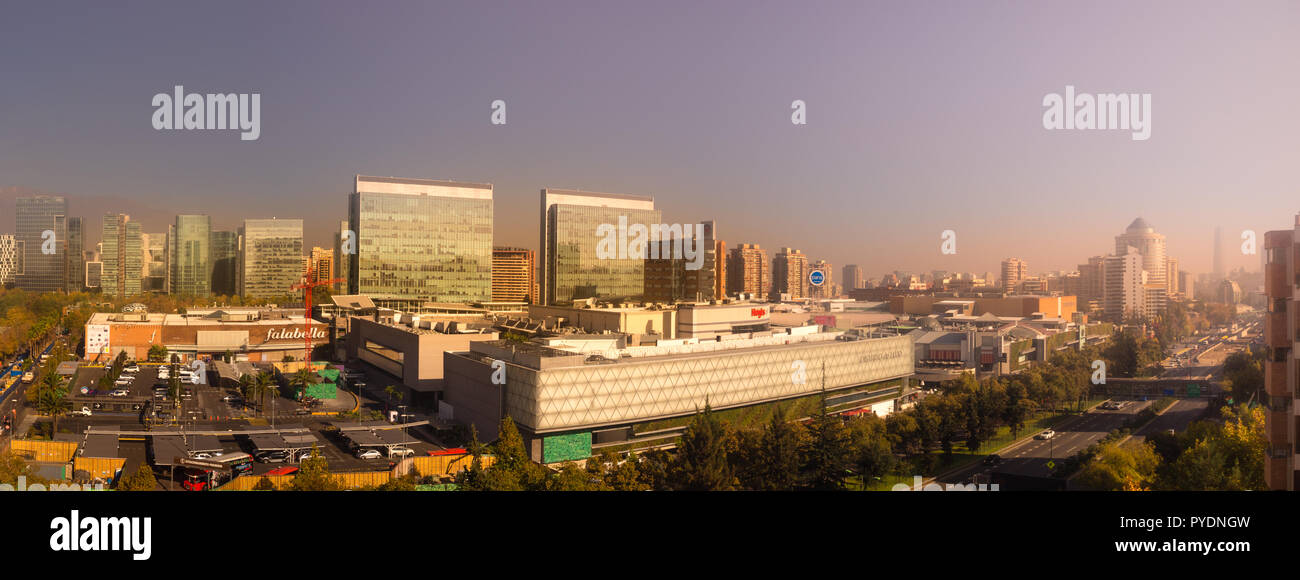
144 406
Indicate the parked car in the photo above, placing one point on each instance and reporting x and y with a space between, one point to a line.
272 456
400 452
369 454
131 369
305 455
201 455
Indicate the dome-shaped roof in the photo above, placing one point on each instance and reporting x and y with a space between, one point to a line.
1139 226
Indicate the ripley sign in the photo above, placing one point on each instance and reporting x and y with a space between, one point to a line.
293 334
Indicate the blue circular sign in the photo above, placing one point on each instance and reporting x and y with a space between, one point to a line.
816 277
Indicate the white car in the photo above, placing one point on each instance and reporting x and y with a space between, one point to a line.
84 412
1048 434
369 454
400 452
119 393
201 455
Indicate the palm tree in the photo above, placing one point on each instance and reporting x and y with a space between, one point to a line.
301 379
262 385
247 386
51 398
393 392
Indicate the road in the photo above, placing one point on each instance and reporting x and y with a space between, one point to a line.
1030 457
1177 417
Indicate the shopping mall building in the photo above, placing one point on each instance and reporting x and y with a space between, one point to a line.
575 394
250 334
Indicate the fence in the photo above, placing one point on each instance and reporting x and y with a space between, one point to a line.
437 466
106 468
48 451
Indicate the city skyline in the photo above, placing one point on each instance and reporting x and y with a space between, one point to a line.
872 180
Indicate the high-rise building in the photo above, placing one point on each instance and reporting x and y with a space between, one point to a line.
190 255
853 277
720 277
74 267
1013 271
1092 280
749 271
1187 284
1219 270
94 274
1149 244
270 258
513 275
1125 287
1171 276
421 239
224 253
42 230
122 254
11 259
586 248
1281 371
154 272
827 288
341 255
790 274
320 265
670 276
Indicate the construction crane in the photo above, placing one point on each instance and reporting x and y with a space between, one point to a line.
309 284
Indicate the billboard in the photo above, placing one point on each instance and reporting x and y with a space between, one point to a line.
97 339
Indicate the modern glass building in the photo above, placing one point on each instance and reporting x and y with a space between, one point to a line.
421 239
122 256
153 276
571 269
191 258
270 258
74 267
11 259
225 263
341 258
42 271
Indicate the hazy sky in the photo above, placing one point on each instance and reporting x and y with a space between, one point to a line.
922 116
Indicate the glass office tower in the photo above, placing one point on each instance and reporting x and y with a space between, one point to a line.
271 259
122 256
74 267
421 239
43 259
225 263
153 275
571 270
191 259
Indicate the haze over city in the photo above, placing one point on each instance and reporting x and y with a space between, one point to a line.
915 124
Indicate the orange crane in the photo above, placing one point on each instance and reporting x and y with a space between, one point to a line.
309 284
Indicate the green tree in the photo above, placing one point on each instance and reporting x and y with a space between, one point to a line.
1128 467
512 470
314 475
300 380
142 480
701 463
873 456
264 484
777 459
827 453
157 353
